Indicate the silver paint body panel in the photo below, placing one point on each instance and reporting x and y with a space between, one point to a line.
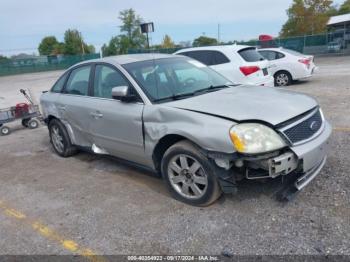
133 130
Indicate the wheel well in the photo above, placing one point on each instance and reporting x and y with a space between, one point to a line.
162 146
283 71
49 118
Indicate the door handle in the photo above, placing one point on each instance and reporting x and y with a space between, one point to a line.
62 108
96 114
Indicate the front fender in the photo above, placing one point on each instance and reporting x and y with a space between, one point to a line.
209 132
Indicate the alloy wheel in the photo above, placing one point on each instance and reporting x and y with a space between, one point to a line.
57 139
187 176
282 79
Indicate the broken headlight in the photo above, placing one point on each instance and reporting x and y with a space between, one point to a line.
252 138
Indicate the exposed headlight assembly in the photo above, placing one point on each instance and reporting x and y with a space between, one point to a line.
252 138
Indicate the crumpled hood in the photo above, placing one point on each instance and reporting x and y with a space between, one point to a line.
242 103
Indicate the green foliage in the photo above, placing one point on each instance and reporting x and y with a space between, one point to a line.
130 29
167 42
73 45
73 42
48 45
4 59
204 41
306 17
344 8
130 37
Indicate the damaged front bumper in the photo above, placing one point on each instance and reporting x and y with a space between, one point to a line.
302 163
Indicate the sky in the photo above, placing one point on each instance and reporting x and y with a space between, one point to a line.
23 23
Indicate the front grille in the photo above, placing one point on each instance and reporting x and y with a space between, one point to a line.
305 129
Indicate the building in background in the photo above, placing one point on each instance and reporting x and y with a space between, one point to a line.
339 33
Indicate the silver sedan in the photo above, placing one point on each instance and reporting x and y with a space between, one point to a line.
188 123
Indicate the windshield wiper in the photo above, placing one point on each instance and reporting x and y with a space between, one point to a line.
184 95
213 88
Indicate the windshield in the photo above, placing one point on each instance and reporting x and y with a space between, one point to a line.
175 78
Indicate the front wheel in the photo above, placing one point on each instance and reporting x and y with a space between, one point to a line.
283 78
189 175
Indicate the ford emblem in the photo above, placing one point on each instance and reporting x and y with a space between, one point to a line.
314 125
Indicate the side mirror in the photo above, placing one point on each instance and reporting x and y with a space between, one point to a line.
122 93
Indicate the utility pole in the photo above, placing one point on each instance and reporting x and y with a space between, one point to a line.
219 40
82 43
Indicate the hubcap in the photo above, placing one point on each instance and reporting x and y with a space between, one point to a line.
282 79
57 139
187 176
5 131
33 124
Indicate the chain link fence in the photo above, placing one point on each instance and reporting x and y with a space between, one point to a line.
337 42
31 64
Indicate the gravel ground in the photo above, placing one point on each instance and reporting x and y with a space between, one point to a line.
112 208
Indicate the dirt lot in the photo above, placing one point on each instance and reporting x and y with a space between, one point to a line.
96 205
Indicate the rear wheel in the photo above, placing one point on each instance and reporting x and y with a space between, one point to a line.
189 175
33 123
5 130
283 78
60 139
25 122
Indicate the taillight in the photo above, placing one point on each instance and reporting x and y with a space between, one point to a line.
248 70
305 61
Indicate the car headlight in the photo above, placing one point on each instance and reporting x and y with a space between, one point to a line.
252 138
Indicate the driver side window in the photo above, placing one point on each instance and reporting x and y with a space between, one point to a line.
105 79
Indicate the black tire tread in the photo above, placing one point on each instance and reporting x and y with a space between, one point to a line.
194 150
285 72
70 149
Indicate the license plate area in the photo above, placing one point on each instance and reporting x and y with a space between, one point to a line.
265 71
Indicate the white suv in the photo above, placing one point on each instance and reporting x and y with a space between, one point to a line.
240 64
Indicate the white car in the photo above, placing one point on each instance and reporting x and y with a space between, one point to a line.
288 65
238 63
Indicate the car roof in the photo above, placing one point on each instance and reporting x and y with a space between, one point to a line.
126 59
216 48
271 49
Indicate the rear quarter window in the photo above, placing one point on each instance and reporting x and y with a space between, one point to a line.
58 86
250 55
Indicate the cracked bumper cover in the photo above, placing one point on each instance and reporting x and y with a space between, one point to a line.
304 161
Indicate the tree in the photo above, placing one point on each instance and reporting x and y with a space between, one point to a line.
344 8
112 48
204 41
48 45
130 29
306 17
167 42
74 43
4 59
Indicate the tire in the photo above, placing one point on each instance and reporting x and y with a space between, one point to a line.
25 122
283 78
60 140
32 124
5 130
198 187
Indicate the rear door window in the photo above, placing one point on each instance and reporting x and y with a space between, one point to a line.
250 55
201 56
208 57
78 82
